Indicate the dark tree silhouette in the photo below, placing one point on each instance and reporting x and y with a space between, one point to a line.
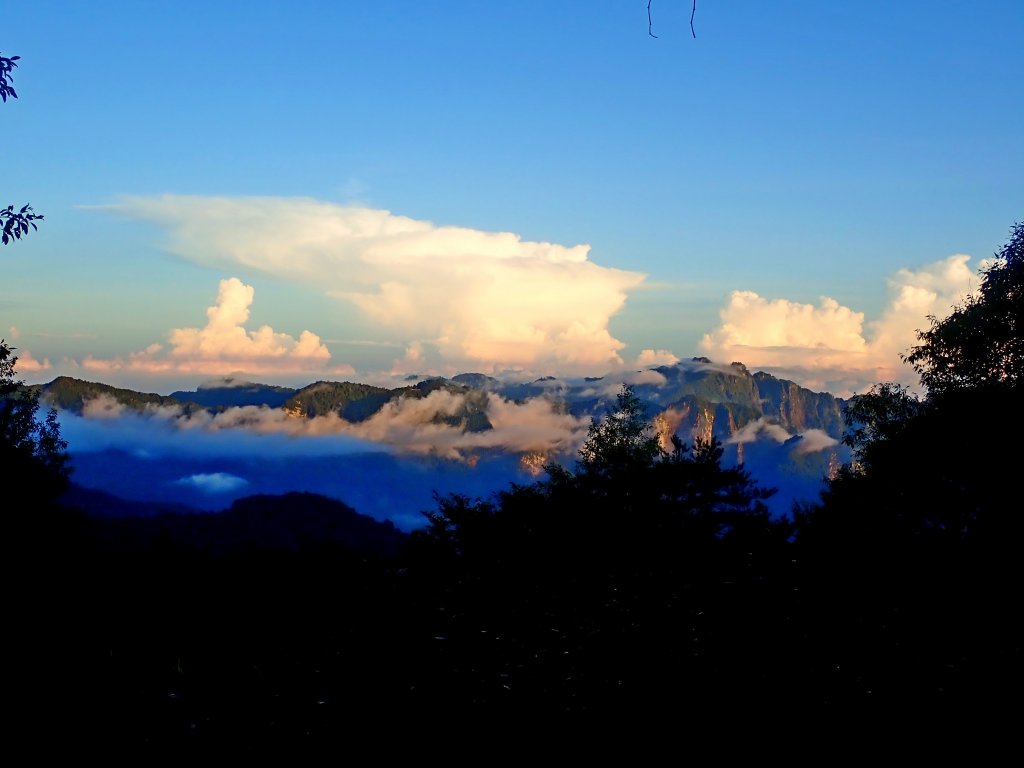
574 593
7 66
879 414
32 451
981 343
624 439
914 547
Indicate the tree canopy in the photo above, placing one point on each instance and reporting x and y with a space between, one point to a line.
32 451
981 343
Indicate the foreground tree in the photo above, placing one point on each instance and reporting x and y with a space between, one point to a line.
913 548
591 589
33 455
877 416
980 345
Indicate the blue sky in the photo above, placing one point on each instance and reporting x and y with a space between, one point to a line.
360 191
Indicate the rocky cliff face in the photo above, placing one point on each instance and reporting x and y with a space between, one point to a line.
703 399
796 408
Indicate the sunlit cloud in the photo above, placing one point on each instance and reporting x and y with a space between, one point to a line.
651 358
167 430
224 345
643 377
411 424
828 346
753 430
413 361
27 364
404 425
485 300
813 441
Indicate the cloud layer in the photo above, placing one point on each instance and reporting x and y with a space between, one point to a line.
485 300
828 346
406 425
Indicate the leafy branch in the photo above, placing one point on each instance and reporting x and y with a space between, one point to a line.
7 66
17 223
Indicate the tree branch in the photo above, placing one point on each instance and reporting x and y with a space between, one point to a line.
693 12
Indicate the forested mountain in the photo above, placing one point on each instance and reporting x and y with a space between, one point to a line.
358 402
67 393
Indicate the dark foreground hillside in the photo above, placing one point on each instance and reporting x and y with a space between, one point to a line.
171 632
150 636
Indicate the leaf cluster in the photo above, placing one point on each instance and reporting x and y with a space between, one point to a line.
877 415
7 66
16 223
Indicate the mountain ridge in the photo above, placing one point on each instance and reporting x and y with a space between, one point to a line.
701 399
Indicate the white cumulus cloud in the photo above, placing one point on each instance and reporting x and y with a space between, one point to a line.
652 358
829 346
487 300
814 440
225 345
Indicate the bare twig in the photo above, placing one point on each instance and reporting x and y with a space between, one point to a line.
693 12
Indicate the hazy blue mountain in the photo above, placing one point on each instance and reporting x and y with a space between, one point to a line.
264 522
385 486
105 505
229 392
